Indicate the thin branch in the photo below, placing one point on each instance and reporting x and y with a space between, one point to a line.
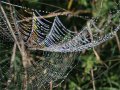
26 62
118 42
93 81
50 15
95 52
52 5
11 64
46 16
51 86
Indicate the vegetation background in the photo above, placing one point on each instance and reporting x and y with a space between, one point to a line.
98 68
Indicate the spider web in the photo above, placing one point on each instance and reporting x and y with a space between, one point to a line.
57 46
42 70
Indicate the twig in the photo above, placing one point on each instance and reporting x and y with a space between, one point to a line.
95 52
93 82
47 16
118 42
50 15
51 87
11 64
99 59
26 62
52 5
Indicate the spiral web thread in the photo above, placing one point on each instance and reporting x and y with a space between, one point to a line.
59 46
